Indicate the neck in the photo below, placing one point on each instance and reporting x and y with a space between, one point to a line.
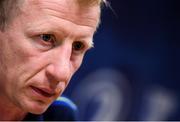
9 111
11 116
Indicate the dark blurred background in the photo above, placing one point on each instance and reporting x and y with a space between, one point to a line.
133 71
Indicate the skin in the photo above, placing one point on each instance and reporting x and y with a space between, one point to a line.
35 70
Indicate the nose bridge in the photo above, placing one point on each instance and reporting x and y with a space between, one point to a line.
61 63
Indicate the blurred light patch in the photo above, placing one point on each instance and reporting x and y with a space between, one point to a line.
160 103
102 96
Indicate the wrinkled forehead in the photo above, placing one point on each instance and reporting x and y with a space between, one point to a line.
69 9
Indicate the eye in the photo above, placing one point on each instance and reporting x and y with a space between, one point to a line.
78 46
48 39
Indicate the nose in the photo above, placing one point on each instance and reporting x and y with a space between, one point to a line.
60 68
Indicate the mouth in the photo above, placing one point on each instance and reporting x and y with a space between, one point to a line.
43 92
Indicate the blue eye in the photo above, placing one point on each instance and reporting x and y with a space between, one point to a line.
48 39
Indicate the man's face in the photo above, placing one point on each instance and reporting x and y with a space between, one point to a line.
41 49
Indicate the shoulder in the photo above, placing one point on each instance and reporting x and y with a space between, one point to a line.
61 109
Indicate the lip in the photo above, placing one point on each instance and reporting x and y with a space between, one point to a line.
43 91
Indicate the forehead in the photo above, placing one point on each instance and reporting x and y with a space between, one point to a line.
67 9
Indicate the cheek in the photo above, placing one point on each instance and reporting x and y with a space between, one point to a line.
77 63
20 59
9 69
9 65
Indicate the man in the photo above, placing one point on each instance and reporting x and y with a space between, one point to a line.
42 44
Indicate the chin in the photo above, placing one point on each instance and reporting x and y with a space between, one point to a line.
36 107
38 110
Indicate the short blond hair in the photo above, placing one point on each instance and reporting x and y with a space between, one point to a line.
10 9
91 2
